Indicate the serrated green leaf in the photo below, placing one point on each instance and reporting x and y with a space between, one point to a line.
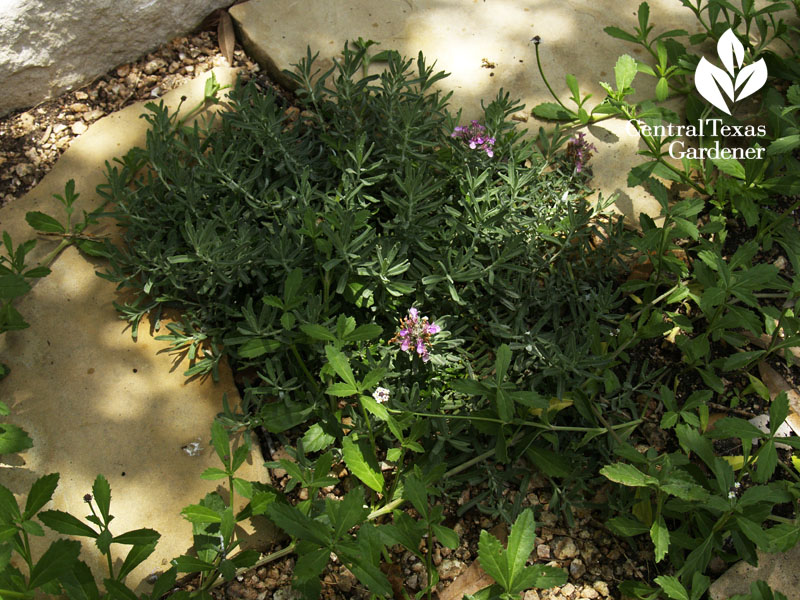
672 587
783 145
414 491
341 365
9 510
197 513
42 222
662 89
362 463
311 564
659 534
140 537
32 528
213 473
57 560
553 112
280 416
298 525
502 362
65 523
730 166
521 541
136 556
341 390
317 332
346 513
625 72
79 583
626 527
539 576
243 487
40 494
246 558
257 347
618 33
782 537
315 439
191 564
732 427
493 559
446 536
102 496
572 84
220 441
103 541
363 333
13 286
627 475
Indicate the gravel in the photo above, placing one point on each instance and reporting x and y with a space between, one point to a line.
32 140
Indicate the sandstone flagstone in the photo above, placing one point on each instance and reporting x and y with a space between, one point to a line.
93 400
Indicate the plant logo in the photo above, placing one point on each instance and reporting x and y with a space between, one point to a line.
737 83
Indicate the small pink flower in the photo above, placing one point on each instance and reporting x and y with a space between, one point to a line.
416 332
474 135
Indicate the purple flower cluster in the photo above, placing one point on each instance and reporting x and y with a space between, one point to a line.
415 333
475 135
579 151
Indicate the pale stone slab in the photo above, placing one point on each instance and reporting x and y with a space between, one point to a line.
463 37
93 400
778 570
47 48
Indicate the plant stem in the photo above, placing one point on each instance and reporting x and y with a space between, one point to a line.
305 370
541 72
47 261
522 423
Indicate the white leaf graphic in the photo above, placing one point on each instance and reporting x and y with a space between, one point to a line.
708 80
753 77
731 51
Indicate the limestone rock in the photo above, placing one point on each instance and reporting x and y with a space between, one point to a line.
778 570
49 47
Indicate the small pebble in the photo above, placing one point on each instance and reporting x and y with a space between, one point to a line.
602 588
451 568
543 551
565 548
577 568
78 127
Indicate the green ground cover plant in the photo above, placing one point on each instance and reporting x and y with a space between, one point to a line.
396 287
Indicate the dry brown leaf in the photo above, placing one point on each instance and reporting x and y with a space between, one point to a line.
225 36
469 582
777 384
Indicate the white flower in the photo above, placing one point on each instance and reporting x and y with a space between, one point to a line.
381 395
731 495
